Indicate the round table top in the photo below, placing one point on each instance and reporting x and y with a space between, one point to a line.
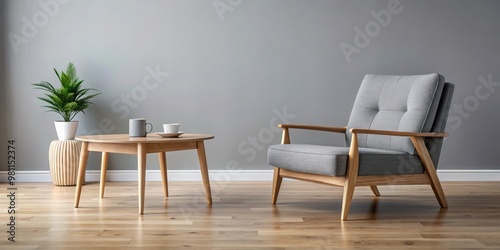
150 138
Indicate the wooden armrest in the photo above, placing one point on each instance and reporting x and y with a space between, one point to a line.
311 127
396 133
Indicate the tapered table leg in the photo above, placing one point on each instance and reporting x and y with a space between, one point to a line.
82 166
141 167
204 171
163 169
104 169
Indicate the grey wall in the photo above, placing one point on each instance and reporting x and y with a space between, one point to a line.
228 75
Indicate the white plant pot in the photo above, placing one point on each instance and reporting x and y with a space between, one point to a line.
66 130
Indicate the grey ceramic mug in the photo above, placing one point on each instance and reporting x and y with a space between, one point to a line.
137 127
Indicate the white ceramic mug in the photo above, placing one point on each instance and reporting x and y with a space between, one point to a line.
171 128
137 127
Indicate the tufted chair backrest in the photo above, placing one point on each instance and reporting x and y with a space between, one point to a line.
400 103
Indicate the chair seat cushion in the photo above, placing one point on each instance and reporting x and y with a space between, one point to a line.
332 161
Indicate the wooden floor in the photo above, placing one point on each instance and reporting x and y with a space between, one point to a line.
307 216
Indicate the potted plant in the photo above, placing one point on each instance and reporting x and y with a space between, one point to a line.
68 100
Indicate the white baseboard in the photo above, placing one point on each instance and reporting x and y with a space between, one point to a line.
151 175
223 175
469 175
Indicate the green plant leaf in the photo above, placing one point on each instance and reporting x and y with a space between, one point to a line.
70 98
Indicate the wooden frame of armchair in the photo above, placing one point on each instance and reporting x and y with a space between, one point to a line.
351 179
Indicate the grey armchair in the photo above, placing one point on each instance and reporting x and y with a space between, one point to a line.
395 133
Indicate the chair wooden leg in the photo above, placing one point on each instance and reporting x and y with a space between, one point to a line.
276 184
285 139
422 151
347 197
438 189
375 190
351 177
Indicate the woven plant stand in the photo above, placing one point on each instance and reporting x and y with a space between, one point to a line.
64 157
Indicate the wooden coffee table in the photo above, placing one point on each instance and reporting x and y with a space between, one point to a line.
140 146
